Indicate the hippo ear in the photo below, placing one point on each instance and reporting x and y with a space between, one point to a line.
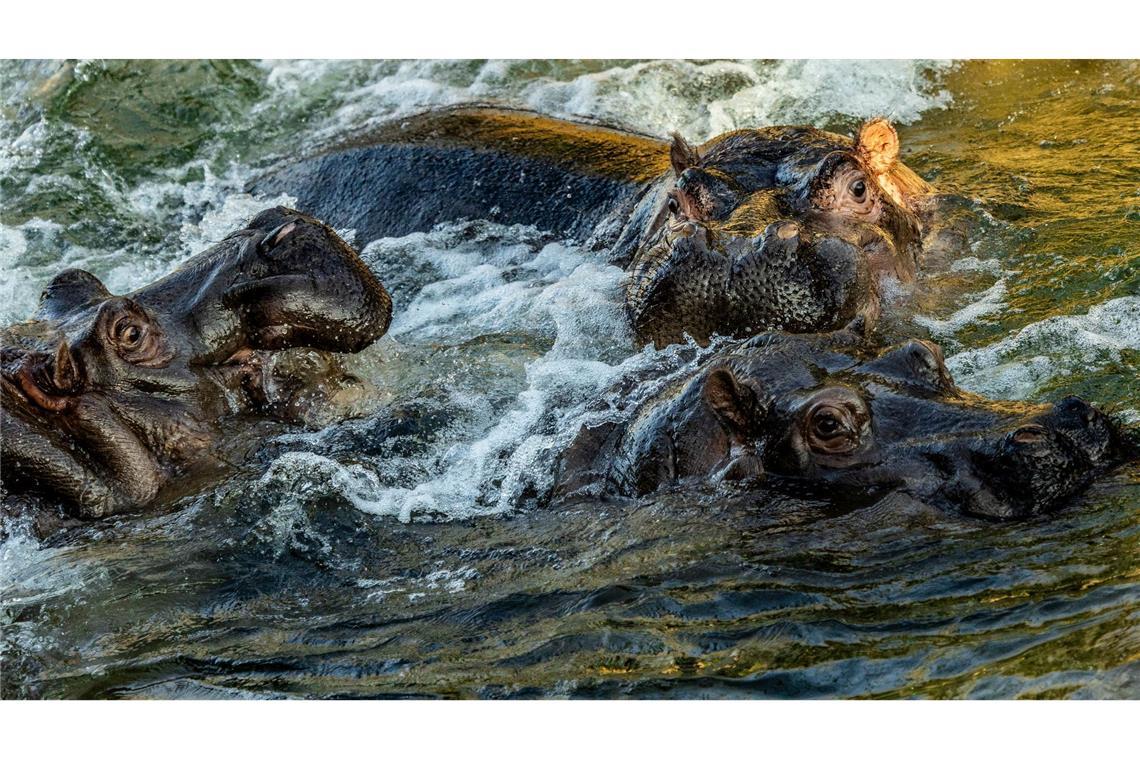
682 155
69 290
733 402
878 145
878 148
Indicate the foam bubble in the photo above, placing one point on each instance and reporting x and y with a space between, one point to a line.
1017 366
990 301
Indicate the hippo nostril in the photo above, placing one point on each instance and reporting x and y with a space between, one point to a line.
51 382
1075 407
1028 435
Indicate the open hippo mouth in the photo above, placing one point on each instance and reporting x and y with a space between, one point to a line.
99 450
820 416
774 229
106 398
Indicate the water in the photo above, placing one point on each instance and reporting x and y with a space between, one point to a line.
410 553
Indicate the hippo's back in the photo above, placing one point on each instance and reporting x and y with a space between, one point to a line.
511 167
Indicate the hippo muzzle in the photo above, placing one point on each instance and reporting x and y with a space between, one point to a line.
1036 465
701 281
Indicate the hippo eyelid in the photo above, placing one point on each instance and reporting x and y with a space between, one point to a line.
133 335
836 422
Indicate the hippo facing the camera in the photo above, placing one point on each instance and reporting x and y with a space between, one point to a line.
107 398
821 416
788 228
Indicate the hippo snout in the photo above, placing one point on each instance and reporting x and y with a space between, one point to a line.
1088 429
1045 460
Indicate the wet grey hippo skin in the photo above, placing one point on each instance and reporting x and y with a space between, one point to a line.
787 228
823 416
107 398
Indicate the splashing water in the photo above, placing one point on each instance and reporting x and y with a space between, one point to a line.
293 578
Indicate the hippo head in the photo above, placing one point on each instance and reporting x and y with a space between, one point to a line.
106 397
818 417
785 228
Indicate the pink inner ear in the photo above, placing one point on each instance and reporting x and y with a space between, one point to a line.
689 206
284 233
732 401
878 145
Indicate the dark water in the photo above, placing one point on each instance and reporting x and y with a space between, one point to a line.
404 554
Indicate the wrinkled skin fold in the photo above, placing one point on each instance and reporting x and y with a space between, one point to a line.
824 416
785 228
108 398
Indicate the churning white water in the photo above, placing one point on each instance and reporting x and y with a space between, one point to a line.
513 332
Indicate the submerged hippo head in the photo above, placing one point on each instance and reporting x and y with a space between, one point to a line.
780 228
106 397
814 416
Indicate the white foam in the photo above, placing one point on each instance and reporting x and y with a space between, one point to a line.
990 301
34 574
559 297
699 99
1017 366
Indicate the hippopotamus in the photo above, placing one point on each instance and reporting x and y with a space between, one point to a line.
825 416
108 398
790 228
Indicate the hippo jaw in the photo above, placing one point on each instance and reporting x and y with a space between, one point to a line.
107 398
102 453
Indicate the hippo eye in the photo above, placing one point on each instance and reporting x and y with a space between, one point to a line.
835 425
827 425
128 334
842 186
133 336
